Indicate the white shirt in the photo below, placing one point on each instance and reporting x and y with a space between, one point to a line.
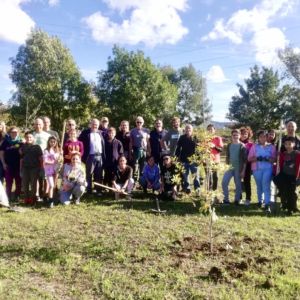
95 143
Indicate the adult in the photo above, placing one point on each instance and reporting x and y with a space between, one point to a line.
113 150
139 146
291 128
216 147
47 127
10 158
104 125
71 146
40 135
186 147
3 135
170 140
94 154
246 139
271 137
123 135
122 180
262 156
156 136
70 125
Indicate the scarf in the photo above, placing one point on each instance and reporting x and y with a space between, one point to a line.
12 142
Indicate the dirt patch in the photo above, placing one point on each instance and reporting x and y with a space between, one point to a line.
216 274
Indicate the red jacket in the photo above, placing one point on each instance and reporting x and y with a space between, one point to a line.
281 161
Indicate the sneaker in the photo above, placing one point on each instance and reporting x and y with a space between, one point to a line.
77 201
259 204
247 202
267 209
51 204
198 192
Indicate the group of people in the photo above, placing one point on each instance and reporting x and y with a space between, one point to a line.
123 159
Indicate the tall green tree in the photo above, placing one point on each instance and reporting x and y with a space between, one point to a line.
193 106
262 102
132 85
48 83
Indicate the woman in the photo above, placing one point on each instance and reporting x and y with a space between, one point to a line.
10 158
73 181
122 181
246 139
262 156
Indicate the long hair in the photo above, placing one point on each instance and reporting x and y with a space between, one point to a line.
56 147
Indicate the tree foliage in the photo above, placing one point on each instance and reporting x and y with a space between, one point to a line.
262 102
48 83
133 86
291 60
193 106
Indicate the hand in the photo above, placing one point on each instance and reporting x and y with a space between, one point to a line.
242 174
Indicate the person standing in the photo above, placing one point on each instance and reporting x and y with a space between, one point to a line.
10 158
71 146
94 154
104 126
123 135
262 156
139 146
186 147
236 157
40 136
47 128
3 135
215 151
156 136
291 128
170 139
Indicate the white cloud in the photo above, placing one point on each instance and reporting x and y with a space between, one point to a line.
15 24
216 75
150 22
255 24
53 2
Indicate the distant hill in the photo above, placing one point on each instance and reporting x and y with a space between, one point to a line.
222 125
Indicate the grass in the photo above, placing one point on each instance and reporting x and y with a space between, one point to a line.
104 249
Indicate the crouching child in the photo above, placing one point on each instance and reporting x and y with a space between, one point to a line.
150 177
73 181
168 187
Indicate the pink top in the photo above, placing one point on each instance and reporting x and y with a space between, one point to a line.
215 153
50 162
265 151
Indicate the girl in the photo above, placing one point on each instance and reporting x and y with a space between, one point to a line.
72 145
51 160
73 180
262 156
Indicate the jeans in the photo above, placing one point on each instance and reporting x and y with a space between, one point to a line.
155 185
263 179
76 191
10 176
193 169
94 166
29 181
237 181
139 158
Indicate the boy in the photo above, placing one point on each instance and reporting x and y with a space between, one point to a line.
31 165
289 174
236 156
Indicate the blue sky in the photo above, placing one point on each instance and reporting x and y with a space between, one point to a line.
222 39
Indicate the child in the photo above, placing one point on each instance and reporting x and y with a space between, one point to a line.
150 177
122 180
168 188
113 150
262 156
289 173
73 180
51 161
71 146
236 156
31 166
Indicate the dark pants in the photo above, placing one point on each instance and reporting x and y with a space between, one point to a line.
11 176
139 157
94 168
29 181
246 184
213 179
108 175
286 185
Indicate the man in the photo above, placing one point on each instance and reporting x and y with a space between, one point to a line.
70 126
123 135
94 154
169 141
104 125
40 136
186 147
156 136
138 148
47 125
291 128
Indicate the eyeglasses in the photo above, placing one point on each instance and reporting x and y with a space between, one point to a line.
139 122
